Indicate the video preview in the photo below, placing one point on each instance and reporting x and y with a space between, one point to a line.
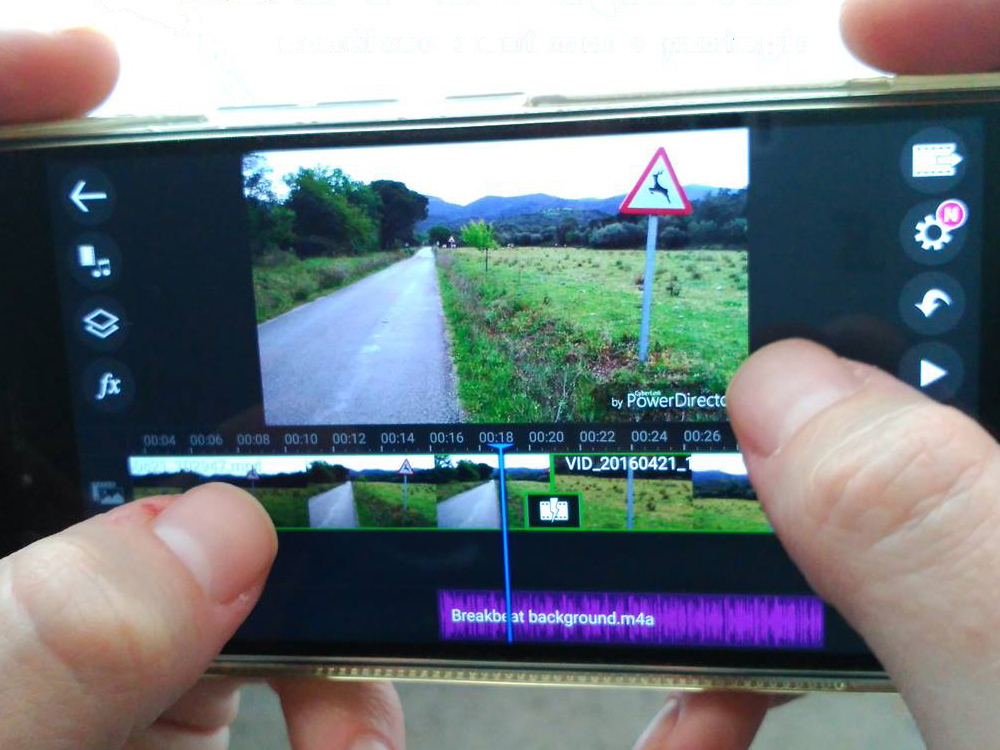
499 282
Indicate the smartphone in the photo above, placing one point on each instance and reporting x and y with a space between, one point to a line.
472 359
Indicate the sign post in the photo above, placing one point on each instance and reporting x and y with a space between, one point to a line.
657 192
630 498
647 286
406 470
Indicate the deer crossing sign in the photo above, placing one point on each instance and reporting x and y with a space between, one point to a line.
658 191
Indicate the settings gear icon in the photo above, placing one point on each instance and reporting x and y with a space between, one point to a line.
932 234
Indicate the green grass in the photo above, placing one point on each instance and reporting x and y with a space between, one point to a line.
551 334
380 505
289 506
738 514
516 490
282 281
660 504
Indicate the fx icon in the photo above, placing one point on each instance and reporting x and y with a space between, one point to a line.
108 385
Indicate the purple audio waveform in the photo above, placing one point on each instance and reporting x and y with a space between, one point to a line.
735 620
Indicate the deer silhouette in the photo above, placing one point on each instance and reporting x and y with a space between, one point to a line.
657 187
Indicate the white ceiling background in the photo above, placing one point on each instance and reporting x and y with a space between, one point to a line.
193 55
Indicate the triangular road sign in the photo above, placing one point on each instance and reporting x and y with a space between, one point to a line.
658 191
405 469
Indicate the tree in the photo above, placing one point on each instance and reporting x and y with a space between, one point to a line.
321 472
272 227
672 237
564 230
467 471
618 235
438 234
402 208
271 223
257 179
333 214
479 235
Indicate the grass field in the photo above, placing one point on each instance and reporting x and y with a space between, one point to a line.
661 505
551 334
288 507
282 281
380 504
516 490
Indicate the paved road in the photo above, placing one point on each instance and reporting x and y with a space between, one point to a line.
334 508
372 352
478 508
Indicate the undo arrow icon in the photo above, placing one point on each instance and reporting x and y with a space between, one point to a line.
933 299
80 198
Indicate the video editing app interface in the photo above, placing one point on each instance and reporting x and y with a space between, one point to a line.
479 386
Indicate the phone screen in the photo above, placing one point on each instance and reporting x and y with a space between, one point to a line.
477 375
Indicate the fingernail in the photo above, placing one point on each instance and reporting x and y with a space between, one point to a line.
222 536
781 387
368 743
659 729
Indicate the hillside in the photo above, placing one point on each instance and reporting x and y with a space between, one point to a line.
722 485
494 207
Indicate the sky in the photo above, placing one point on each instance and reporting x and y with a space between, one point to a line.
730 463
234 465
583 167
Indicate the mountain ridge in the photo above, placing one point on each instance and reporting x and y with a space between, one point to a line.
494 207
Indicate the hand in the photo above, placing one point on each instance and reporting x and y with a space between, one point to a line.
106 627
53 76
886 501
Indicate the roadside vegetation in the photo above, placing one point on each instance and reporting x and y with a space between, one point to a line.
283 281
516 490
551 334
380 505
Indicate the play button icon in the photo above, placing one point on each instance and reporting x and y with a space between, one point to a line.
934 368
930 373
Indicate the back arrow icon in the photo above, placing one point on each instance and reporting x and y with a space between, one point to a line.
79 197
933 299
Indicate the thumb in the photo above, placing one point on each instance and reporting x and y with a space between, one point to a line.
887 501
106 624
